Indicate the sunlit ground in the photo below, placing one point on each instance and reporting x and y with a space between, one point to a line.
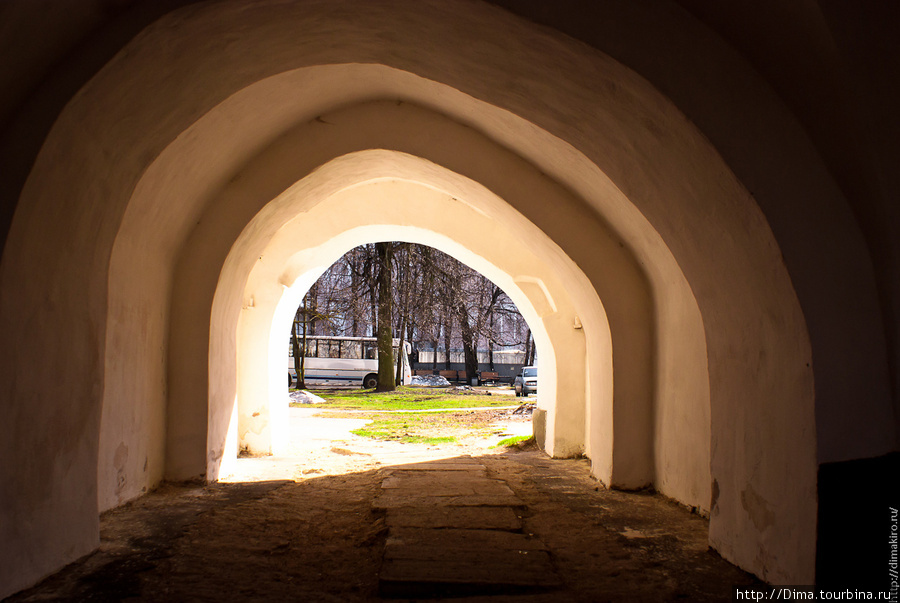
324 445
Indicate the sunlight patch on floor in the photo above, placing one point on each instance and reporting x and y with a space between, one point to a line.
324 446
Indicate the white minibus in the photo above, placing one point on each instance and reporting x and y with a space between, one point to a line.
345 361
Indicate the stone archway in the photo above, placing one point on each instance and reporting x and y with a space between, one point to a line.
444 211
397 126
650 207
624 288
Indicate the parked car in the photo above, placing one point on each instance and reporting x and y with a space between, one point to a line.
526 381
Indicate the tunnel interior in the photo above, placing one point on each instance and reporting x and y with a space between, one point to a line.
690 339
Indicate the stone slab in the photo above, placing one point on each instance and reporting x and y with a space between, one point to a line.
464 458
502 573
431 466
457 532
423 479
448 487
461 539
477 518
478 562
396 499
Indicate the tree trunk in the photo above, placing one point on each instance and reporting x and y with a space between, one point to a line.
299 348
312 308
470 344
295 347
301 372
447 339
400 352
385 353
529 349
490 342
373 302
354 288
403 300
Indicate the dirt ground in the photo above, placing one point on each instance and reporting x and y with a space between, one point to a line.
313 535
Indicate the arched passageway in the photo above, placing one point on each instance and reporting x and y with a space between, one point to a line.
388 125
665 417
374 203
697 376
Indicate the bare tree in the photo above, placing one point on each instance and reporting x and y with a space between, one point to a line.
529 349
403 271
429 297
383 327
298 346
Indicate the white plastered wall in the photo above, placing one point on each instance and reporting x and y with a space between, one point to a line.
179 138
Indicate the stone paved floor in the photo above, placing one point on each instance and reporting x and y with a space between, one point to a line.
453 531
363 536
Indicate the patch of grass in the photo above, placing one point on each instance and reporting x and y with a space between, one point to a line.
431 441
514 442
424 428
407 398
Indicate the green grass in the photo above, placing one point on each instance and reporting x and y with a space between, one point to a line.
424 428
514 441
430 428
407 398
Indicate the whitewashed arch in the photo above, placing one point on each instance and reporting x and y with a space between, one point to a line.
649 201
373 196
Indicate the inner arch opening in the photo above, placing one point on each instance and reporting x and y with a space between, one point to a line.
409 211
438 304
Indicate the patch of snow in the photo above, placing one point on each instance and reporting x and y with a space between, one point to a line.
429 381
305 397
